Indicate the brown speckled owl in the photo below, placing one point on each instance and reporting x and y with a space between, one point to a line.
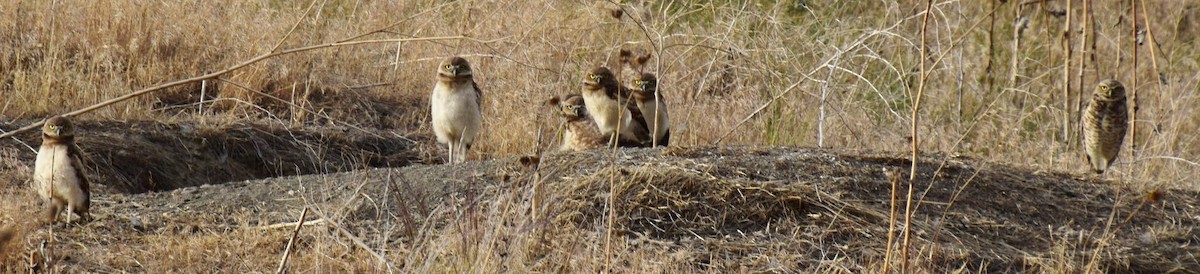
1104 125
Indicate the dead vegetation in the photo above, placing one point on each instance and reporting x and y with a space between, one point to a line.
997 87
696 209
140 156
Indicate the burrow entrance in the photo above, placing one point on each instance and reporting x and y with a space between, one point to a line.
136 157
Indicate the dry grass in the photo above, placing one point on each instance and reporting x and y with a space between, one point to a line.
834 73
857 61
677 210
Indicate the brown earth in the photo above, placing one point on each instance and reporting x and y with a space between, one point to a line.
723 209
141 156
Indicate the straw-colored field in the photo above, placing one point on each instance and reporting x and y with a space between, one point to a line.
785 115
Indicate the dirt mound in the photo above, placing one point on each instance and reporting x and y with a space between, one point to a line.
711 209
135 157
739 202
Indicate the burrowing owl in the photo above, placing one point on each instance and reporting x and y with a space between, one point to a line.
58 173
581 132
608 104
654 109
1104 125
455 106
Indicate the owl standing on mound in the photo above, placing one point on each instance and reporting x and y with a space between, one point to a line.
608 104
653 107
580 131
455 107
58 173
1104 125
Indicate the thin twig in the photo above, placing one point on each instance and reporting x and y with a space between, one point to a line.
294 105
287 251
1153 56
1087 15
1172 158
355 239
987 69
230 69
294 25
891 236
1134 87
827 62
1019 27
1066 86
34 150
916 140
821 103
291 224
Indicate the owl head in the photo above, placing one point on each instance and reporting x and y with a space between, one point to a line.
58 126
1110 89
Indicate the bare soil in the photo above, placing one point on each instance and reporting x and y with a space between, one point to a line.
141 156
726 207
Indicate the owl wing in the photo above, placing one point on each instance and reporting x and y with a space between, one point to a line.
77 162
478 94
616 93
639 121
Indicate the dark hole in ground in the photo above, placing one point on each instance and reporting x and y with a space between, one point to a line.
136 157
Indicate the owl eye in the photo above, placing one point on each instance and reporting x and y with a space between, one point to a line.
448 66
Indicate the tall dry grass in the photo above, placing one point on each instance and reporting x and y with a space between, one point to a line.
834 73
839 74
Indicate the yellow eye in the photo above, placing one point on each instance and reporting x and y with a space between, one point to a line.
448 66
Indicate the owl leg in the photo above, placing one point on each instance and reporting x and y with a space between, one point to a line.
462 157
81 210
666 139
459 154
462 153
450 155
1092 164
53 207
614 139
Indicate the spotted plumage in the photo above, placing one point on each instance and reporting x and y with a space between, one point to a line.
456 107
1104 125
580 131
58 172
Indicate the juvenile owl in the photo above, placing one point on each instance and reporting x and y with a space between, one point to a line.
608 104
653 107
580 131
1104 125
58 172
455 107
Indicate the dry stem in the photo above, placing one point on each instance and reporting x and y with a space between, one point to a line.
227 70
287 251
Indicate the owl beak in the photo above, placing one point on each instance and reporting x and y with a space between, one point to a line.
58 131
